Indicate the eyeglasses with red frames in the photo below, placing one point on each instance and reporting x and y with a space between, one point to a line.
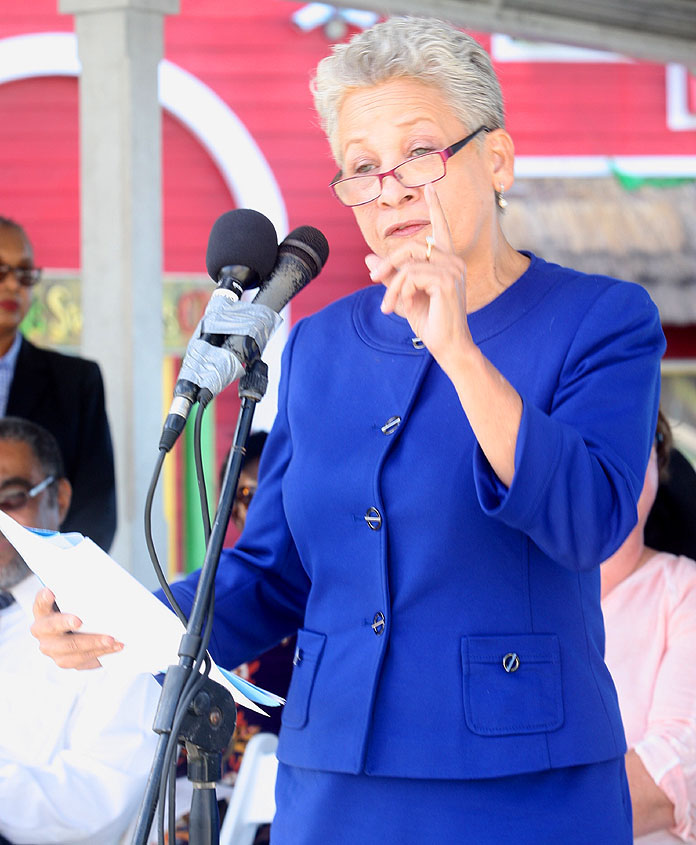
26 276
412 173
14 496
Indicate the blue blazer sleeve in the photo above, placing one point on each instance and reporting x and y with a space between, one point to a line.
581 462
260 587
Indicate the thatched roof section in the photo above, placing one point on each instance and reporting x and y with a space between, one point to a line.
646 235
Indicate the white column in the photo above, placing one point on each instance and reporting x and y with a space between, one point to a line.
120 43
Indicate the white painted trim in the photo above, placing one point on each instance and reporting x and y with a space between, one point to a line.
38 54
679 118
224 137
244 168
678 366
593 167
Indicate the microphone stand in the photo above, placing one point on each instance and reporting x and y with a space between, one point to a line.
208 724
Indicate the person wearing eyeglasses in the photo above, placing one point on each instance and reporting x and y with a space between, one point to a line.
458 446
64 393
248 478
75 747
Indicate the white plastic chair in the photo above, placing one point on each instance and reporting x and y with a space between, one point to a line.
253 796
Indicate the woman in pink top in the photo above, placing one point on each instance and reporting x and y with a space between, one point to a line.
649 604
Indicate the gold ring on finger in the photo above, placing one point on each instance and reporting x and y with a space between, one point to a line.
430 241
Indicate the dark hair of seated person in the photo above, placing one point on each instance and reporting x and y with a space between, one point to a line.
252 452
671 526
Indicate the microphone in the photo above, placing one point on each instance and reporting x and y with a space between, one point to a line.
242 250
245 330
301 257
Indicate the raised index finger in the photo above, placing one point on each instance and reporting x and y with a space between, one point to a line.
440 228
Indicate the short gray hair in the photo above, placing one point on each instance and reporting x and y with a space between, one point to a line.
424 49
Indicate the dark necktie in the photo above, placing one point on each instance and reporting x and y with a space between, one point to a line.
6 599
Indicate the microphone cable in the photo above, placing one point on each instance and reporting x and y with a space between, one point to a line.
285 270
196 679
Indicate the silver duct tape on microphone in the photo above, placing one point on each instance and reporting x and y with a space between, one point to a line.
216 367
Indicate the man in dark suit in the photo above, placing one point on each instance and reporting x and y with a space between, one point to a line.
63 393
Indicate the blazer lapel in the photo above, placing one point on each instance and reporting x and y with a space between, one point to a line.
29 382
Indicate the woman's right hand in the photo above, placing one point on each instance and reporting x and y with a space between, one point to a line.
60 640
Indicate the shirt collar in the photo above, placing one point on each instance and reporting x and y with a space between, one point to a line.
9 359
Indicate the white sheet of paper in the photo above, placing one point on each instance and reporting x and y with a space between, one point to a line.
88 583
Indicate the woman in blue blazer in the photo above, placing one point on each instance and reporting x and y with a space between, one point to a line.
457 447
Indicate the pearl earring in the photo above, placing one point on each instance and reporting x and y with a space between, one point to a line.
502 202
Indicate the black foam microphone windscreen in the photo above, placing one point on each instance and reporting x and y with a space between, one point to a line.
242 237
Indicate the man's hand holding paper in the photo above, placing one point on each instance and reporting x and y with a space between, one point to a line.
145 634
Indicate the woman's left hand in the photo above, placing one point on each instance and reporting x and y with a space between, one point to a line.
430 292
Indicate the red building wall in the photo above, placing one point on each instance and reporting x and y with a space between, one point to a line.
254 58
259 63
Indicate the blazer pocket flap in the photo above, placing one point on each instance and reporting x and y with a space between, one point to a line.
512 684
310 646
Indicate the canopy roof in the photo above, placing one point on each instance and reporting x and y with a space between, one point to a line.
646 235
656 30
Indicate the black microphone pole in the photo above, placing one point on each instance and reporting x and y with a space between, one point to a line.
207 725
203 806
241 253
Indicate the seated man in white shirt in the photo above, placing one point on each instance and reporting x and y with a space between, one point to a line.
75 747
